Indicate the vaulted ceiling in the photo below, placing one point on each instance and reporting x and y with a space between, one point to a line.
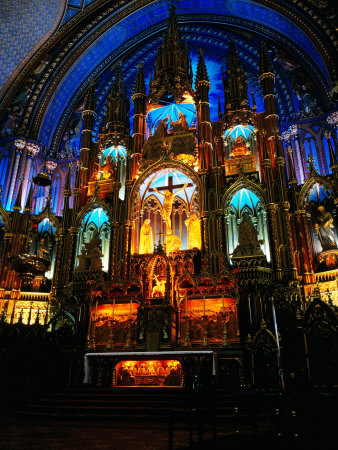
52 56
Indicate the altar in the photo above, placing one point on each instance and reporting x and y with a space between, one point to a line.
150 369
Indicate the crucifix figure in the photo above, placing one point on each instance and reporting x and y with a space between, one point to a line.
169 197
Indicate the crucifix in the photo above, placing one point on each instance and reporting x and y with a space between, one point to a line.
169 197
171 186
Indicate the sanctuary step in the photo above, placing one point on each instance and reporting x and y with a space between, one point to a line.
125 403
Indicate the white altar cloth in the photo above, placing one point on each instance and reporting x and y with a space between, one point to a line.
147 355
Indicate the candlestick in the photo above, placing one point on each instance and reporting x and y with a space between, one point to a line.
130 310
113 309
223 303
186 306
204 305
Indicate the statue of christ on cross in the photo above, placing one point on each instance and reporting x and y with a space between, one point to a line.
169 197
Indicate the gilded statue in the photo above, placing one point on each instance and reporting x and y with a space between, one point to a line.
168 205
103 172
248 243
194 232
159 288
146 238
181 124
108 168
43 251
325 229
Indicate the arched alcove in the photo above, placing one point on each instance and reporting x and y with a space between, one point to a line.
323 218
94 221
43 243
246 201
152 205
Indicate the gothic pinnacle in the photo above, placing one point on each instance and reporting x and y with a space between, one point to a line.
172 30
265 65
254 106
233 60
140 87
118 83
220 115
202 74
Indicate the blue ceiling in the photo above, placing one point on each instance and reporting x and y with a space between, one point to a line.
206 24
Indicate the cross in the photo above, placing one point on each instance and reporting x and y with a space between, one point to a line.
171 186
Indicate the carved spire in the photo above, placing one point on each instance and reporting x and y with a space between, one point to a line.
202 73
233 63
235 85
118 86
172 77
140 87
265 65
172 36
253 100
117 113
220 114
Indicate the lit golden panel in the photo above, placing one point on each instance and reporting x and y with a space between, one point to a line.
148 373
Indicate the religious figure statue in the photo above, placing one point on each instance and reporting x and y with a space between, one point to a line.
90 258
43 251
146 238
162 127
325 229
248 243
159 288
167 206
181 124
108 168
194 232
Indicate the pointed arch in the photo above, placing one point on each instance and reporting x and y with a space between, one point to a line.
308 186
91 205
47 213
243 183
245 196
